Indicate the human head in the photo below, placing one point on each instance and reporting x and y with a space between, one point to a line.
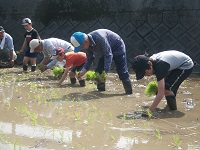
139 65
35 45
77 39
26 22
59 51
1 32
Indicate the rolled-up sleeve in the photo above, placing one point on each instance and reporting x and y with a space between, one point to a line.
10 43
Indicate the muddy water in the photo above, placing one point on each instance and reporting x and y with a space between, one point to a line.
36 113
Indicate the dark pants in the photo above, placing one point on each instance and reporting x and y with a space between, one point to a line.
77 68
121 66
29 54
5 55
175 78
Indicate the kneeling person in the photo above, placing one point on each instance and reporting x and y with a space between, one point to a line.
74 62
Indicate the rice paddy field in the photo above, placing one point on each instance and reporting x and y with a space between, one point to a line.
38 114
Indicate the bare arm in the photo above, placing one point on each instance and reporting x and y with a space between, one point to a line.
11 58
45 61
64 75
23 47
159 96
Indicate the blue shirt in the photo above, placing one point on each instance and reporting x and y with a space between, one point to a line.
8 42
104 42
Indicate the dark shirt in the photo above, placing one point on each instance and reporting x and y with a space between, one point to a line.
104 42
29 35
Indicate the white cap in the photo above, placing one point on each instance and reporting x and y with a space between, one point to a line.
26 21
33 44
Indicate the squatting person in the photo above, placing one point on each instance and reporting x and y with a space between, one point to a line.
74 62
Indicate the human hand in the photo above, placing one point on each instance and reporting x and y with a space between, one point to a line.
81 73
12 62
21 51
146 114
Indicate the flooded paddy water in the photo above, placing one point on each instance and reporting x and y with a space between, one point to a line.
36 113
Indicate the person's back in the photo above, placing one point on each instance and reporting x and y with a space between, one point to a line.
50 44
75 59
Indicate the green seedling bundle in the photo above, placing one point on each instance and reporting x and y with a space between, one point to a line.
58 71
91 75
151 89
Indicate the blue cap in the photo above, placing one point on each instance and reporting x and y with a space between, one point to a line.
77 40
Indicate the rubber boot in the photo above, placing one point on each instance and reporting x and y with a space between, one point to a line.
33 68
171 102
25 67
82 83
73 80
127 86
101 86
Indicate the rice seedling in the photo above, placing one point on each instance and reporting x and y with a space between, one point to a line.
100 77
110 115
112 138
61 135
151 89
38 66
77 116
15 144
89 75
177 141
157 133
149 113
58 71
94 107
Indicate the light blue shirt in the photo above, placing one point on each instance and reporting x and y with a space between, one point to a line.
49 48
8 42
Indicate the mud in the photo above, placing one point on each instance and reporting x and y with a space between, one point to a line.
36 113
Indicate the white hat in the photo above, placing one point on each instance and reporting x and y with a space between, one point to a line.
33 44
26 21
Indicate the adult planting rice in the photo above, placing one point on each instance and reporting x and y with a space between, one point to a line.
108 46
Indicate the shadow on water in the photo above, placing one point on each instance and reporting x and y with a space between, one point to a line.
91 95
158 114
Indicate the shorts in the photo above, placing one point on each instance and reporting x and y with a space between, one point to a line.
175 78
29 54
77 68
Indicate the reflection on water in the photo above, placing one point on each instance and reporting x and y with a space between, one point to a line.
39 132
126 143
